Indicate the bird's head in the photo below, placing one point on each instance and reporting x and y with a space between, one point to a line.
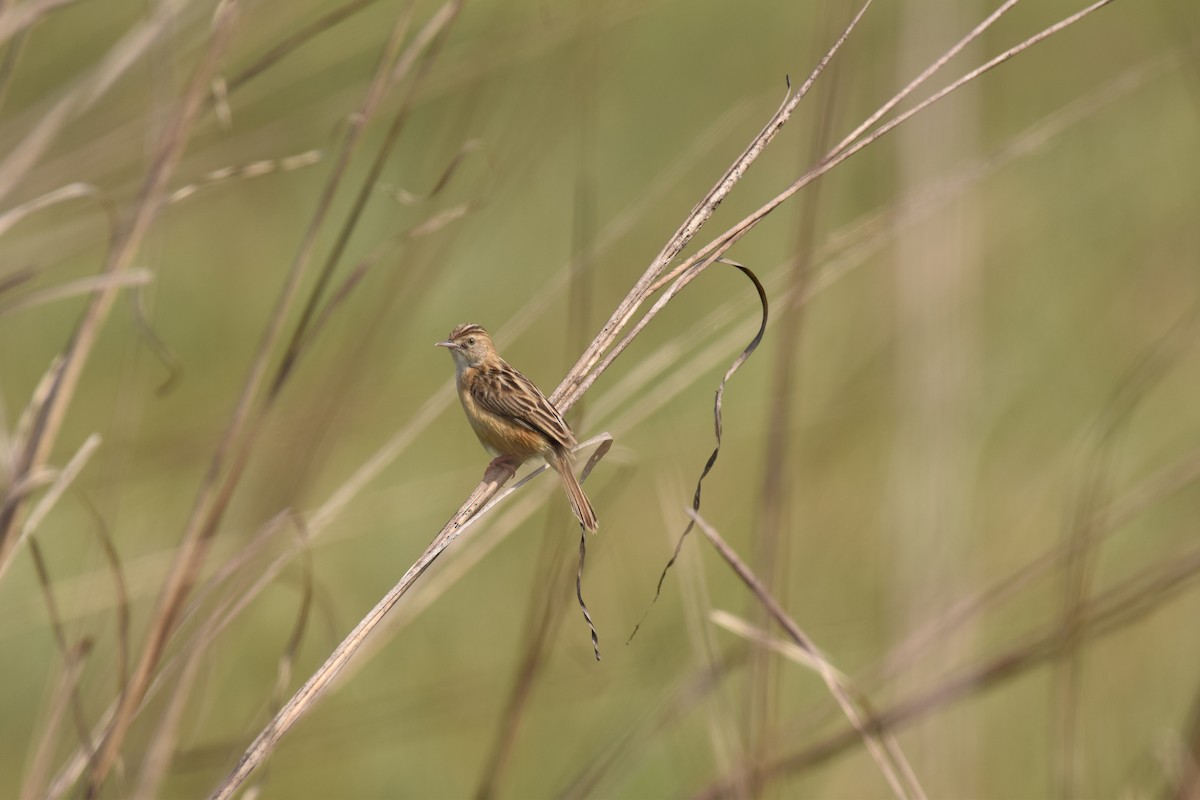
470 345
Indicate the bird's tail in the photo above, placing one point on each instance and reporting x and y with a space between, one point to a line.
579 501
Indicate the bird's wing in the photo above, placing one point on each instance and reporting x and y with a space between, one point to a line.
507 393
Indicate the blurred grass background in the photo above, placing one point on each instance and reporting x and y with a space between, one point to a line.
1004 265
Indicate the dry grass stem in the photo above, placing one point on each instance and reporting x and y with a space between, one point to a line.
86 92
690 268
622 753
485 497
255 169
725 740
16 19
756 635
150 201
884 750
211 500
120 591
296 40
97 283
590 365
496 476
63 194
64 694
62 481
1107 613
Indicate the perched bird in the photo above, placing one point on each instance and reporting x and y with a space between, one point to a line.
512 418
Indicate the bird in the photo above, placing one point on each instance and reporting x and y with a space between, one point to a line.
512 418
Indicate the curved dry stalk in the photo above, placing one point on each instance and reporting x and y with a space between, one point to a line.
72 191
120 590
14 20
90 285
718 428
66 652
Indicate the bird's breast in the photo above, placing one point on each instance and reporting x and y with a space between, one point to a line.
499 435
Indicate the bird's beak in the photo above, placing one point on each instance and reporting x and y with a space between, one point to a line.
446 343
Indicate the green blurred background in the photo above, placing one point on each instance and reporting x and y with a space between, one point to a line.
996 352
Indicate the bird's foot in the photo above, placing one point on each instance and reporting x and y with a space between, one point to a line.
504 462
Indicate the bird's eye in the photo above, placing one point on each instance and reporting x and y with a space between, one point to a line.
471 340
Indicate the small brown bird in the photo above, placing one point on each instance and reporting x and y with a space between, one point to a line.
512 418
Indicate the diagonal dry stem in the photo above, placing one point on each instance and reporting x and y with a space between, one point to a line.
884 750
589 366
691 268
497 475
1105 614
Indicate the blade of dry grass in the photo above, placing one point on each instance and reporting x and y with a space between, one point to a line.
622 753
495 477
416 60
756 635
1107 613
83 286
543 616
771 545
884 750
149 202
66 652
1080 539
62 481
63 194
213 500
728 746
1187 781
255 169
16 19
590 365
43 754
296 40
118 60
120 590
